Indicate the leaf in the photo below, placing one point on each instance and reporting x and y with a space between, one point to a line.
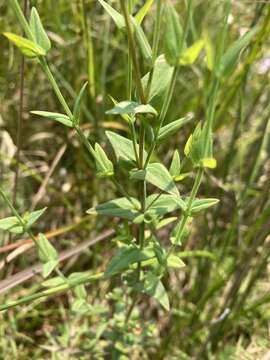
174 261
173 36
165 222
123 116
123 259
210 51
31 218
103 164
46 251
175 167
123 147
160 82
143 11
115 15
27 47
38 31
202 204
63 119
77 105
80 292
12 225
230 58
154 287
143 42
131 108
194 148
191 54
120 207
159 205
48 267
159 176
171 128
210 163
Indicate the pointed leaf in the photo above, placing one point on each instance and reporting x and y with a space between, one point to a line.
175 167
48 267
154 287
120 207
103 164
46 251
143 11
171 128
173 36
63 119
115 15
38 31
12 225
202 204
131 108
31 218
27 47
77 105
191 54
143 42
159 176
210 51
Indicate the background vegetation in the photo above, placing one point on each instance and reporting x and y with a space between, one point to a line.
220 299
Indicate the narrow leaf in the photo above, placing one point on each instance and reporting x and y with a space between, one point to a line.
131 108
191 54
77 105
143 11
115 15
173 36
175 167
159 176
171 128
27 47
38 31
103 164
63 119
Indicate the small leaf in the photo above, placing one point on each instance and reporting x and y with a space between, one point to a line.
77 105
80 292
63 119
120 207
210 163
154 287
160 82
123 147
175 262
115 15
46 251
171 128
165 222
159 176
143 42
230 58
191 54
175 167
38 31
123 259
173 36
48 267
31 218
159 205
27 47
202 204
103 164
210 51
194 148
143 11
12 225
131 108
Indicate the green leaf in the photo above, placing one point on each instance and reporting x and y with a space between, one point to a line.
230 58
115 15
154 288
48 267
171 128
159 176
160 82
143 42
159 205
38 31
31 218
143 11
27 47
46 251
210 163
131 108
191 54
80 292
210 51
194 148
120 207
174 261
202 204
77 105
103 164
12 225
63 119
123 259
165 222
123 147
173 36
175 167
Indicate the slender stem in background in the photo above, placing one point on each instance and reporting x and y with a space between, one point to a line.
132 48
20 119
